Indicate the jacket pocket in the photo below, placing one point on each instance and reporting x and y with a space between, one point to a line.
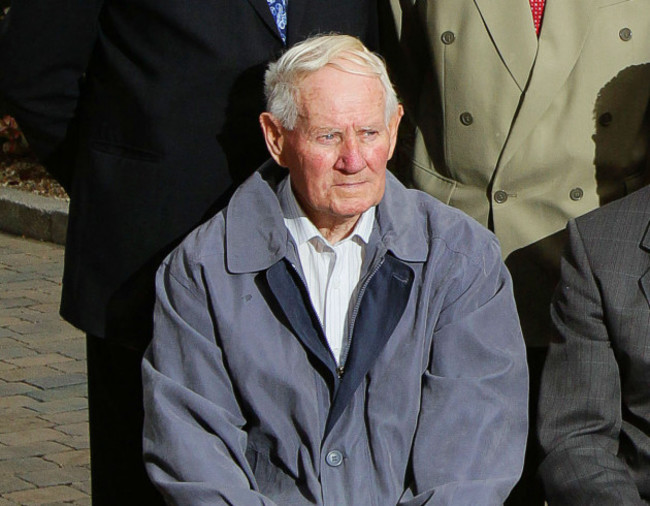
124 151
431 182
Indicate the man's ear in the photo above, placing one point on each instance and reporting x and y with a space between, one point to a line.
393 127
273 135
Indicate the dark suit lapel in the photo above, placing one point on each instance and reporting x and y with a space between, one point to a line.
296 10
381 308
262 8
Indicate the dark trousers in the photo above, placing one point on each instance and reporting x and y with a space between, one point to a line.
529 490
118 477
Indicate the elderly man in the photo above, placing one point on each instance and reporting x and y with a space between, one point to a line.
332 337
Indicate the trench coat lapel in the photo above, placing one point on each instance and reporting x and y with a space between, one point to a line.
262 8
645 279
296 305
510 24
564 28
381 308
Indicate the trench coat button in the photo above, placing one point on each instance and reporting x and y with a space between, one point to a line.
576 194
466 118
625 34
448 37
500 196
334 458
605 119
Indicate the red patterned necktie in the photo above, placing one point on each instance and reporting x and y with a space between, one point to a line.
537 6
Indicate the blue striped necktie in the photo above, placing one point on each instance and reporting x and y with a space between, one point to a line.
279 11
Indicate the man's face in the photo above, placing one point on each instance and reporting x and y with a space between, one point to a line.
338 151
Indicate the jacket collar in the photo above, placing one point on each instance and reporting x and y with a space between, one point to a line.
256 237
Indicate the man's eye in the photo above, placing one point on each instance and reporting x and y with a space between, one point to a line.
369 134
327 137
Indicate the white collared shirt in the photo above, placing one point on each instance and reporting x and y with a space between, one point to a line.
332 272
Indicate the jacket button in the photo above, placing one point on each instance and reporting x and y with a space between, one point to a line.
448 37
625 34
466 118
605 119
576 194
334 458
500 196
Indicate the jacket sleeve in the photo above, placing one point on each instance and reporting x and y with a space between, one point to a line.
580 401
473 414
194 445
44 51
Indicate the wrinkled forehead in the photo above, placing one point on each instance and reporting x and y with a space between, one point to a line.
335 90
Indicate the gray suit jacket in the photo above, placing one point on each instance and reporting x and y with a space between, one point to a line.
594 419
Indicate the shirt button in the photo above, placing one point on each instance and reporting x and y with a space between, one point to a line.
605 119
334 458
466 118
500 196
625 34
448 37
576 194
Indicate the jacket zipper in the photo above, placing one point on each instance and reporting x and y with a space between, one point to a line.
341 369
322 327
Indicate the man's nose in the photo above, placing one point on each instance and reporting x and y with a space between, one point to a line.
350 156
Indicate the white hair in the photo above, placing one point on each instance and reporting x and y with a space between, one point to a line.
346 53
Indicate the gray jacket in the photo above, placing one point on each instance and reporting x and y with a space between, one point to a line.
243 402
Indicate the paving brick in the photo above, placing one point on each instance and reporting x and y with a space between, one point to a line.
70 458
73 348
54 327
5 502
77 442
59 379
6 321
17 466
6 341
74 429
15 401
47 495
15 350
33 294
49 308
29 436
36 360
53 394
10 483
18 302
6 332
14 388
15 423
62 405
84 486
31 450
66 417
72 367
7 415
33 374
63 476
4 366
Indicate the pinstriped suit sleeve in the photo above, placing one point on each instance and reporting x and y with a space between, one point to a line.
580 403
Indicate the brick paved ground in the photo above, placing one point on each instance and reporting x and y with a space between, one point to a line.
44 456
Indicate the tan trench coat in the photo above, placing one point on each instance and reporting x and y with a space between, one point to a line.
519 132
